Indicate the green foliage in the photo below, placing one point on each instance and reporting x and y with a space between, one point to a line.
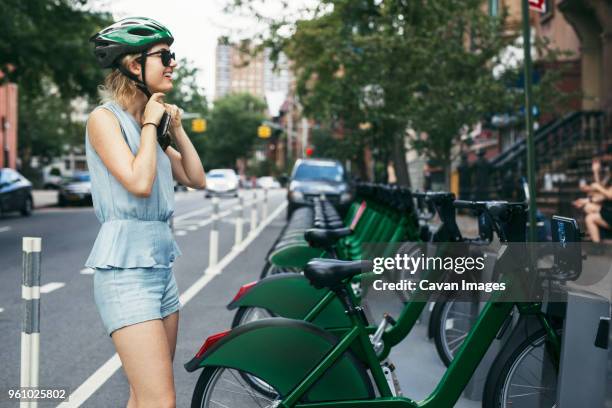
46 127
232 129
186 92
326 145
189 96
48 40
395 64
45 50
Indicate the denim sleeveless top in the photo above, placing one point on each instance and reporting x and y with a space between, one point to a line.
135 231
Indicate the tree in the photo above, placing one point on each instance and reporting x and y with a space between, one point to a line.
189 96
394 65
45 49
186 93
232 129
46 127
49 40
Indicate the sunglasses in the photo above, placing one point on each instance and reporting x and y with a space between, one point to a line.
166 56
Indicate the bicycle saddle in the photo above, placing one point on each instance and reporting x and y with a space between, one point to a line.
325 238
329 273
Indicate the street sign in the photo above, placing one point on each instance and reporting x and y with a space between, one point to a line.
538 5
264 131
198 125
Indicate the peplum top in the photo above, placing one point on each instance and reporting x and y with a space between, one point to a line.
135 231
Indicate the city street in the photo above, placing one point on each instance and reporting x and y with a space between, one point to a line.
76 353
73 342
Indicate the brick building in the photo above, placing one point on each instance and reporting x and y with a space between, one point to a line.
8 125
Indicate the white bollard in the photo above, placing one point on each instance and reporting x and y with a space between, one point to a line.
239 221
30 332
254 212
213 253
264 214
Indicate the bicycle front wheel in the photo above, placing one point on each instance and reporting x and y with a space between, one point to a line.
220 387
526 378
452 320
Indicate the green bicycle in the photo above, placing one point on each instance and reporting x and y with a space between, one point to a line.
305 366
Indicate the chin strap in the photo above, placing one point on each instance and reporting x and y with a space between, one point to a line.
140 84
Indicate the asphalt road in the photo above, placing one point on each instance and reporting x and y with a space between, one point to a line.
76 352
73 342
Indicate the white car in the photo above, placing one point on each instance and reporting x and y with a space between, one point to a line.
267 182
221 182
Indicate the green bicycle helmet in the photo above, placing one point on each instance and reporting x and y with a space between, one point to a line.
129 36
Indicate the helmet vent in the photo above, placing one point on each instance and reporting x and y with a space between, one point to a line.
141 32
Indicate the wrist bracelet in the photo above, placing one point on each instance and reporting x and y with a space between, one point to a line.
150 123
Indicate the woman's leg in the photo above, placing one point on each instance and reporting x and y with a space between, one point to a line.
594 222
145 354
592 208
171 325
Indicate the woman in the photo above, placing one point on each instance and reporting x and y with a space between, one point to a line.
592 203
133 195
603 218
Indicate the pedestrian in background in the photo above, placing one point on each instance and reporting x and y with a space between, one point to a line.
133 196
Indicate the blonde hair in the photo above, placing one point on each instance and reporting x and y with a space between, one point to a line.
118 87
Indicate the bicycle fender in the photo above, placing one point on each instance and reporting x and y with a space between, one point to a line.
282 352
292 296
294 256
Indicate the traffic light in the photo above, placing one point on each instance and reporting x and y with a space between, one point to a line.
264 131
198 125
309 151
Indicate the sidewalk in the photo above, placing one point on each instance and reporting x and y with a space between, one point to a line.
44 198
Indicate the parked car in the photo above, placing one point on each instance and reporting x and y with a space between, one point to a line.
52 178
179 187
15 192
221 182
77 190
315 177
267 182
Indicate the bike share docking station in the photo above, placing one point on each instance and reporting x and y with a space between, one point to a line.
585 349
585 368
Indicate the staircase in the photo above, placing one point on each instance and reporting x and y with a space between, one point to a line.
564 151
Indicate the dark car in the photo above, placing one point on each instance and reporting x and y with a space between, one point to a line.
77 190
315 177
15 192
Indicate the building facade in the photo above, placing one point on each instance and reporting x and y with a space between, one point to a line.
237 72
8 125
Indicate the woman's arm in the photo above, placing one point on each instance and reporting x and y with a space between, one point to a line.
135 173
186 164
607 192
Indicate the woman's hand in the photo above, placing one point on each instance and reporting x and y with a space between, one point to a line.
176 114
154 109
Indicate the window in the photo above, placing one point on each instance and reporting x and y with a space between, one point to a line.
493 8
323 171
549 11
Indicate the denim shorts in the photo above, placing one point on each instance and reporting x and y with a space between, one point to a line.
133 295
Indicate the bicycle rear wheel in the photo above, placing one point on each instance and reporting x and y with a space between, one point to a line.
247 314
220 387
525 377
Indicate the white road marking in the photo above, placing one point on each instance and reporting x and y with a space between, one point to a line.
180 233
207 210
192 228
1 309
87 271
4 229
97 379
51 286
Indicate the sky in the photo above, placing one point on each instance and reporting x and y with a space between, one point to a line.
196 25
